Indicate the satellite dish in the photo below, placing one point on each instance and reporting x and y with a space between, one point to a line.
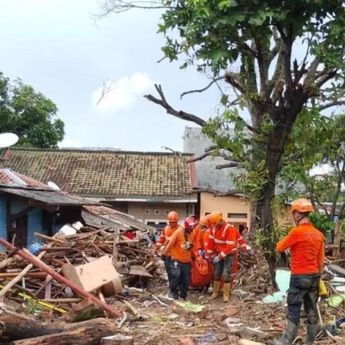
8 139
53 185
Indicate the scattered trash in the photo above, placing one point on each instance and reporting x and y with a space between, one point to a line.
207 338
335 301
283 281
194 308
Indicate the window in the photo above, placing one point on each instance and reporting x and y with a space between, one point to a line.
157 212
147 211
237 215
158 224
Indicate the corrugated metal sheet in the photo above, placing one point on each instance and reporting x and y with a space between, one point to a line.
113 218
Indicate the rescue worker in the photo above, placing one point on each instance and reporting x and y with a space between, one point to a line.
222 246
180 249
202 269
164 238
201 235
307 245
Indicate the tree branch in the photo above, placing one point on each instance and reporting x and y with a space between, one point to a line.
199 158
232 79
311 74
170 110
331 104
203 89
325 77
227 165
118 6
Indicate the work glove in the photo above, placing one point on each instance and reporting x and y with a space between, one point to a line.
201 252
248 250
161 250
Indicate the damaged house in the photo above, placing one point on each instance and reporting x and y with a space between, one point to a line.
145 185
28 206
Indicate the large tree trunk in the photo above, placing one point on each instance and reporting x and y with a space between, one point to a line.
265 224
264 213
17 327
84 333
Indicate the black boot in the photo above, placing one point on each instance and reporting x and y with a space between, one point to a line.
312 331
288 335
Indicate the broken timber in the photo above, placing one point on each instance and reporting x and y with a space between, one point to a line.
25 254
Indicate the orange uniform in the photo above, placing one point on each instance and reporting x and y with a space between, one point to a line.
166 234
306 243
222 240
178 246
201 238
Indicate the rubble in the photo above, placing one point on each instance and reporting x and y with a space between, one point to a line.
98 257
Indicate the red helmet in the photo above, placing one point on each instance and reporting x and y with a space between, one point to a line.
173 217
190 223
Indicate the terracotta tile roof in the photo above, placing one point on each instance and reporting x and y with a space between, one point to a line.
107 173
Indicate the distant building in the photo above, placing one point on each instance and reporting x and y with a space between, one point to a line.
216 187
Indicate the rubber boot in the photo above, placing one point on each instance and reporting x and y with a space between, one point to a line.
216 287
288 335
226 292
312 331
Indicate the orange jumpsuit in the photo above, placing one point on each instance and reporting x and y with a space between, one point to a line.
307 249
201 238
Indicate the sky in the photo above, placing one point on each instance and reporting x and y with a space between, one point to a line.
65 51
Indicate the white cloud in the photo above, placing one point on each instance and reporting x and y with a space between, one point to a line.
68 142
122 93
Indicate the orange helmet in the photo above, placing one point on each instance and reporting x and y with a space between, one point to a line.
204 221
302 205
215 218
173 217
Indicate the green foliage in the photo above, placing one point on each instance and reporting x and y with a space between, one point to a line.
218 31
316 140
282 63
322 222
29 114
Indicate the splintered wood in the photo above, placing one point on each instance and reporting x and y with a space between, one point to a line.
82 258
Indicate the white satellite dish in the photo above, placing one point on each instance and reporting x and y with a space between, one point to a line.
8 139
53 185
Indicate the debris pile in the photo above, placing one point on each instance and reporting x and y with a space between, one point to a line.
120 270
94 263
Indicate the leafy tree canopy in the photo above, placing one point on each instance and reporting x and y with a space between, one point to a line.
29 114
278 63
